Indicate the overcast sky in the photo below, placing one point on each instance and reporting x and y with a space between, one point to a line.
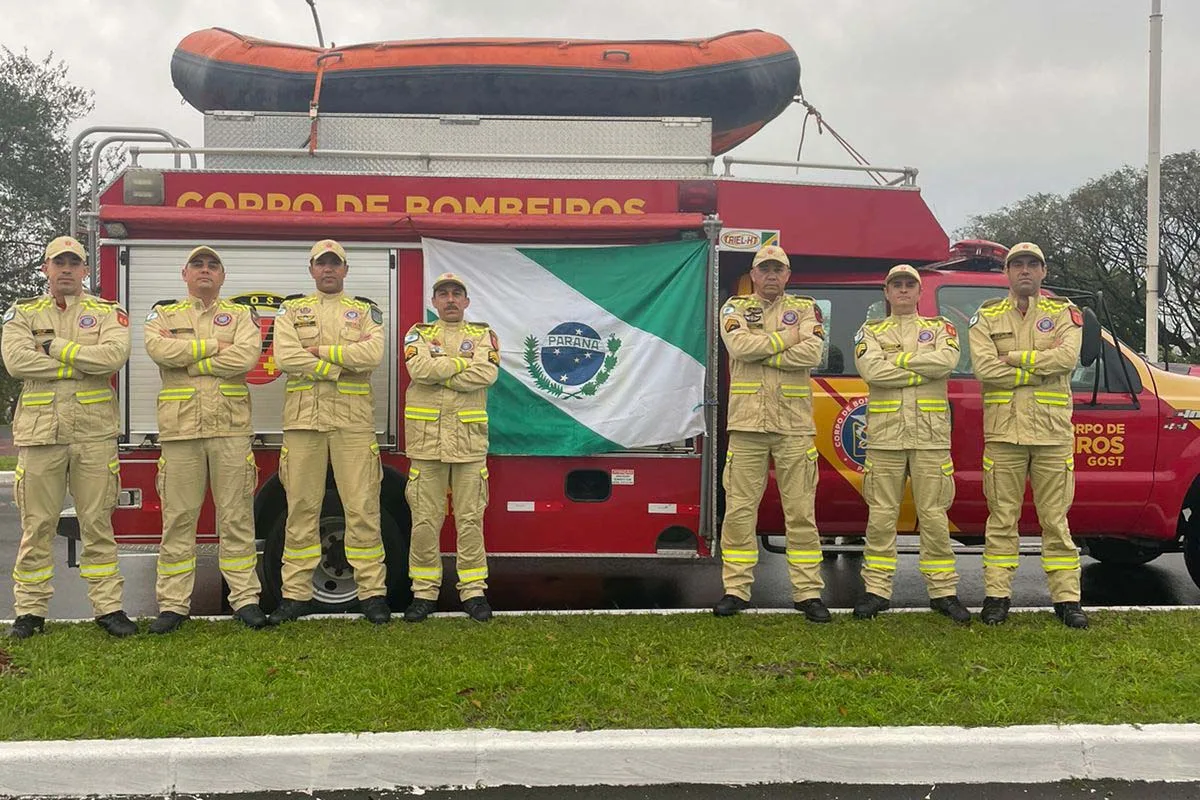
991 100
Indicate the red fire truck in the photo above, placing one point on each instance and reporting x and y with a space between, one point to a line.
382 184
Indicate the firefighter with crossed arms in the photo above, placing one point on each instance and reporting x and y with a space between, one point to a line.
1024 348
905 360
66 346
328 344
451 363
204 346
773 340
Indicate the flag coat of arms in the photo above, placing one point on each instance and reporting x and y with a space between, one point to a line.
601 348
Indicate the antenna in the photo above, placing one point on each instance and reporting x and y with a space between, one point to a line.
317 21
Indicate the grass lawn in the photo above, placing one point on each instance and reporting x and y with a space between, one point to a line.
8 463
591 672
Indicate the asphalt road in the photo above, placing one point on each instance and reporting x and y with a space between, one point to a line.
628 583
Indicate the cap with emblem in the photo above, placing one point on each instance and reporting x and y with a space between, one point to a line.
327 246
902 271
204 250
771 253
1024 249
448 277
65 244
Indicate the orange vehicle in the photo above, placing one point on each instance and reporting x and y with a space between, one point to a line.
262 201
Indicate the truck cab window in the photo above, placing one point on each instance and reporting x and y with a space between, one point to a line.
844 309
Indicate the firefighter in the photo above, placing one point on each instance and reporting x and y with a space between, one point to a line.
66 345
328 344
773 339
1024 348
905 359
204 346
451 363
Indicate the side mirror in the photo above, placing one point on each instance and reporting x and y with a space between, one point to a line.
1090 349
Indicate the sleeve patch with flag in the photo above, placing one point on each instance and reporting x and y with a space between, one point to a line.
1076 316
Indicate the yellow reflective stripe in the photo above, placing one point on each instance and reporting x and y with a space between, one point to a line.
364 553
1052 398
1000 561
177 567
812 453
1023 377
804 556
94 396
948 468
997 397
1070 463
195 349
471 575
413 473
795 389
98 570
1059 563
461 363
425 572
1030 358
936 565
915 380
902 359
422 414
745 387
302 553
931 405
69 352
180 393
777 345
881 563
322 368
33 576
472 416
483 473
739 556
883 406
234 389
37 398
114 467
335 354
65 371
346 387
299 386
240 564
988 464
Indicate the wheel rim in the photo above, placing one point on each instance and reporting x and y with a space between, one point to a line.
333 580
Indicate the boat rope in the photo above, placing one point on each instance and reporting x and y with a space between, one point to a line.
822 126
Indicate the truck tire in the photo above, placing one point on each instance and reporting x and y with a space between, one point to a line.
334 589
1121 552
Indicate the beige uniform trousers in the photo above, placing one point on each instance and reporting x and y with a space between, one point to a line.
303 462
426 494
186 470
39 488
932 475
1051 470
745 480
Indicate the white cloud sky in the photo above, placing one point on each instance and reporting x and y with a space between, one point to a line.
991 100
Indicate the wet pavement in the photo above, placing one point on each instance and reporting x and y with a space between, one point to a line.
638 583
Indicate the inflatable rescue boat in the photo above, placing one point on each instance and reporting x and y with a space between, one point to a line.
740 80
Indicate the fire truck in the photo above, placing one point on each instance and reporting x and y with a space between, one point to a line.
382 184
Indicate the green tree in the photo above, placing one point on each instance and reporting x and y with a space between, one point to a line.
1095 239
40 104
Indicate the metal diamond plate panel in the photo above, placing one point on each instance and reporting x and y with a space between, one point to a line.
588 147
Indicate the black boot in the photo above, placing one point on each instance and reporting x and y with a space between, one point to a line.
376 610
477 608
1071 614
27 625
871 605
290 611
167 622
995 610
419 609
252 617
729 605
952 607
814 610
117 624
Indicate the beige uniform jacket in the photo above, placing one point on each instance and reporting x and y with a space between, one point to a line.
1029 404
204 394
772 347
67 395
451 365
905 361
331 390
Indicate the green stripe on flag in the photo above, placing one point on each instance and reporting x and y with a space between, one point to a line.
666 283
511 407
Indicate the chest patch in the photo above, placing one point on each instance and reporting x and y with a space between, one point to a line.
1045 324
753 315
222 319
467 346
352 315
925 336
87 321
790 317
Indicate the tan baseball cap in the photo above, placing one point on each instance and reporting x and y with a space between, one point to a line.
448 277
771 253
201 250
902 269
65 244
327 246
1024 249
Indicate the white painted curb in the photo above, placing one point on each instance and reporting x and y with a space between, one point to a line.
6 478
481 758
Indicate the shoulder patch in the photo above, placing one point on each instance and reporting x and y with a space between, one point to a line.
157 303
1076 316
8 315
376 315
974 319
366 300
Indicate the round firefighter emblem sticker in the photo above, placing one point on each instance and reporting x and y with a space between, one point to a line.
850 434
1045 324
